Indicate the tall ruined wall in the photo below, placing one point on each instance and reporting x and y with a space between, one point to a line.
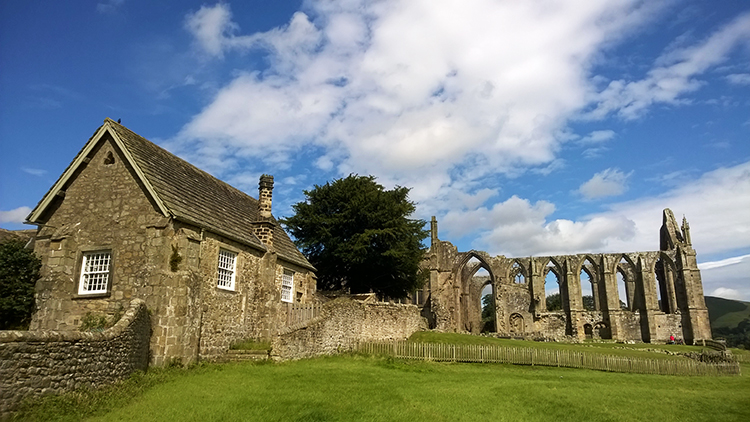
34 363
344 322
663 292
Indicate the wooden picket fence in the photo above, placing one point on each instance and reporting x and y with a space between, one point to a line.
299 313
547 357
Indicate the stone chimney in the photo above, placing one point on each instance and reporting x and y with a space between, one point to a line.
265 226
265 196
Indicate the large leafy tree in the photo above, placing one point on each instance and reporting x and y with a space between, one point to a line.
360 237
19 271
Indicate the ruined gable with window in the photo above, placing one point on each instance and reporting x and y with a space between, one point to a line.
128 219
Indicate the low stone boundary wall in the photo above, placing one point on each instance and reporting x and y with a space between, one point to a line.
342 324
34 363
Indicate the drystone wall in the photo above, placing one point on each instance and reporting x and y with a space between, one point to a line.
35 363
342 324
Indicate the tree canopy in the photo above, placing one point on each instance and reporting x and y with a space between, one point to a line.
19 271
359 236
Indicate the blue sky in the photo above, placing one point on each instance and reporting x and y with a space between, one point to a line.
527 128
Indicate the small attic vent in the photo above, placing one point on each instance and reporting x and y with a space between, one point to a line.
110 159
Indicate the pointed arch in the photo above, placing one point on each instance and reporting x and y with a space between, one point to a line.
518 273
624 270
590 284
553 274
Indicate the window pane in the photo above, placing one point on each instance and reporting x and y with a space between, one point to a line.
95 272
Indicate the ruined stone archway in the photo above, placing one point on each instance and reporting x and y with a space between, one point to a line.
518 289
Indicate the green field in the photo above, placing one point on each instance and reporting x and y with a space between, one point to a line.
357 387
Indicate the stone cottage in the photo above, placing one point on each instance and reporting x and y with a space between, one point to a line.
127 219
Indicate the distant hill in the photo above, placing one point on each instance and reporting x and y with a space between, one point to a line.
726 313
730 320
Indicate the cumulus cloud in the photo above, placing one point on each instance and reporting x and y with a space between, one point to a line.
214 30
442 96
715 204
516 227
17 215
409 91
610 182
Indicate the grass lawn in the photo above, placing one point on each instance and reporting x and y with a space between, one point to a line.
609 348
378 389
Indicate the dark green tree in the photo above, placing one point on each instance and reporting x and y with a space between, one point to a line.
359 237
488 314
588 302
19 271
554 302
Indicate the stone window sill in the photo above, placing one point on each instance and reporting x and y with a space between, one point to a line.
92 296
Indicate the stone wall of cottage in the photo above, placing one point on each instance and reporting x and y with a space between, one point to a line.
35 363
169 264
229 316
104 198
343 323
253 310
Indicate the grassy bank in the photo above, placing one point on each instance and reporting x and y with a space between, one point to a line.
365 388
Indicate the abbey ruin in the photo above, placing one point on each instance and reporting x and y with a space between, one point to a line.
663 291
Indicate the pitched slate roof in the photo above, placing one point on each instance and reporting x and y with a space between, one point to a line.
185 192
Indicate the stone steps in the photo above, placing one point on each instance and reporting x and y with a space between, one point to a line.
246 355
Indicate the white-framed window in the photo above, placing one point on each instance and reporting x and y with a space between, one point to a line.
95 272
227 269
287 286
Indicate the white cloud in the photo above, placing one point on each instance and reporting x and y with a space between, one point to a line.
715 204
723 263
598 136
410 91
17 215
726 293
674 75
518 228
33 171
610 182
739 78
214 30
442 96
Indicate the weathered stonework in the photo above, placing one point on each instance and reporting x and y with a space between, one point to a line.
35 363
164 222
454 297
343 323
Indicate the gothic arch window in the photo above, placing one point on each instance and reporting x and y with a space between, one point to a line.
555 292
517 273
590 295
624 283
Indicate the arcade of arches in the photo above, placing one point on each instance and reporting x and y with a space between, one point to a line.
663 292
